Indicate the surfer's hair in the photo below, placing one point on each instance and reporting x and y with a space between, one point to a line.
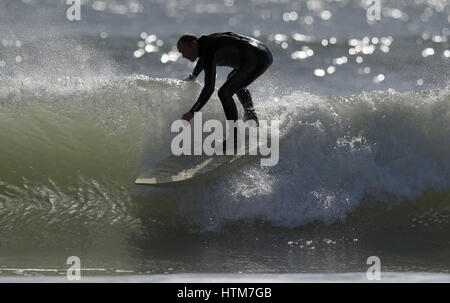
187 39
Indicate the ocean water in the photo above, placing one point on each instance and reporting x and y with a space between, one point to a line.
364 167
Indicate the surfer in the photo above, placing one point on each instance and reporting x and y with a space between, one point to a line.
248 57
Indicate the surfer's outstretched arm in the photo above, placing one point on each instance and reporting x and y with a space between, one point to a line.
208 89
197 70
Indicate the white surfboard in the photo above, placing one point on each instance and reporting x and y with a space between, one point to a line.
186 167
180 169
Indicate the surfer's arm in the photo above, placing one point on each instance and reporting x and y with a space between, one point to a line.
198 68
208 89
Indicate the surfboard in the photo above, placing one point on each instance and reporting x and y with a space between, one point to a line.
179 169
185 168
182 168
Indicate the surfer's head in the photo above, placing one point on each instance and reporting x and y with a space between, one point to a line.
188 46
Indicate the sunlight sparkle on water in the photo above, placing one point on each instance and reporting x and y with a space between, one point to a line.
427 52
378 79
319 72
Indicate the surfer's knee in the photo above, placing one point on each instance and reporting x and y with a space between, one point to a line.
224 94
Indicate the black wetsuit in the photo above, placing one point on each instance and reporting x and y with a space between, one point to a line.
249 59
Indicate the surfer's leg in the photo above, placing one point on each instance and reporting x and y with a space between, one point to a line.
236 81
229 107
244 95
231 87
245 98
255 65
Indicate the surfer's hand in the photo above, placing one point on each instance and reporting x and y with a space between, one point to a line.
190 77
188 116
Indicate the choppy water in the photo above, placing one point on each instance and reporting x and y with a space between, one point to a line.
364 157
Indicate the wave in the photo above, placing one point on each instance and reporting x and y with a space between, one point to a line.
71 148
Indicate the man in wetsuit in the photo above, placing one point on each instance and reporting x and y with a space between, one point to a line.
248 57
